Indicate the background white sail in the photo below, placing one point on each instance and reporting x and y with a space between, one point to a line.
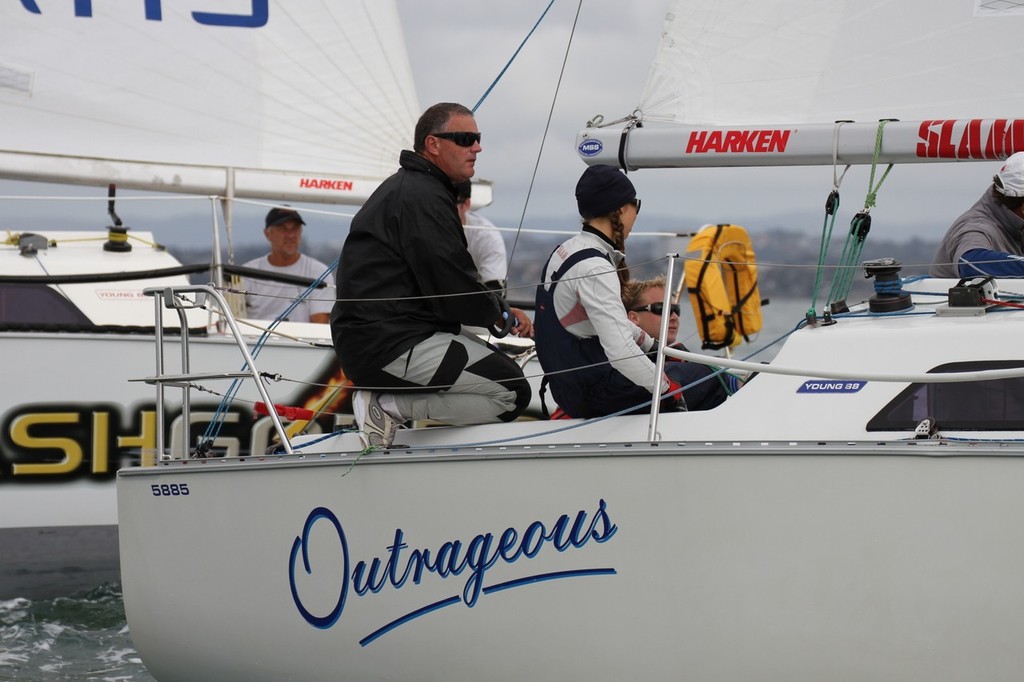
791 61
308 99
773 76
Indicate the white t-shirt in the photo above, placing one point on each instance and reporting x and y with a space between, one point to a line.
266 300
487 248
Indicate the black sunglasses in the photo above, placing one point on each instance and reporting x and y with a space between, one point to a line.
461 139
636 202
657 308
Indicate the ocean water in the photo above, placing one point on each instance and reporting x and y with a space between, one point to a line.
86 637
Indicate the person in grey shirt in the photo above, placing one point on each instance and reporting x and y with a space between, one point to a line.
988 239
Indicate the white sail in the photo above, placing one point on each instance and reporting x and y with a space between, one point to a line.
766 81
306 99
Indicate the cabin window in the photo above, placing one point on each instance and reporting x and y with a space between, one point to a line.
994 405
37 304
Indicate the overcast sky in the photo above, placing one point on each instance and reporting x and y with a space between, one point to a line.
457 47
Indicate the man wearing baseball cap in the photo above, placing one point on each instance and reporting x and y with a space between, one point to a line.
988 240
267 299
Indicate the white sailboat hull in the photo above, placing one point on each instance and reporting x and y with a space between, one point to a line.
688 562
782 535
846 521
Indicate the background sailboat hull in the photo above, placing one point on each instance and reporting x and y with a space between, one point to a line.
77 416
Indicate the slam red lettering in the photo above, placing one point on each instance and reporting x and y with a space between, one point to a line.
970 138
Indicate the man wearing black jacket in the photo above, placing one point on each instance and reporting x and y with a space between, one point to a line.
407 284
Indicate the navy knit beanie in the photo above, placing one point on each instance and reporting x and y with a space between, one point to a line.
601 190
276 216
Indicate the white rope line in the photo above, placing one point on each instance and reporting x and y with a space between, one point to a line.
118 199
349 214
273 332
937 378
305 209
686 233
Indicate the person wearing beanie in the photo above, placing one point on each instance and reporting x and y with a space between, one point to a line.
988 239
594 357
267 299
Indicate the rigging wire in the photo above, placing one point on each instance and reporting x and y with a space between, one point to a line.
547 124
512 58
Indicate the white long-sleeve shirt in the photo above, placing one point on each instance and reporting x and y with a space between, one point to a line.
487 248
588 303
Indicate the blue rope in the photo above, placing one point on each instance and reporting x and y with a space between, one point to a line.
569 427
213 428
512 59
895 287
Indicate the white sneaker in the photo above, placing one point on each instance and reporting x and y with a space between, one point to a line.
377 427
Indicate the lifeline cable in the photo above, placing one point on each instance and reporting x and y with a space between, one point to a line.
547 124
569 427
511 59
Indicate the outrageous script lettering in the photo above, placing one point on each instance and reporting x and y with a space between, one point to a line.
452 558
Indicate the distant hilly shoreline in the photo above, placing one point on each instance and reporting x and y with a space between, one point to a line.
786 259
